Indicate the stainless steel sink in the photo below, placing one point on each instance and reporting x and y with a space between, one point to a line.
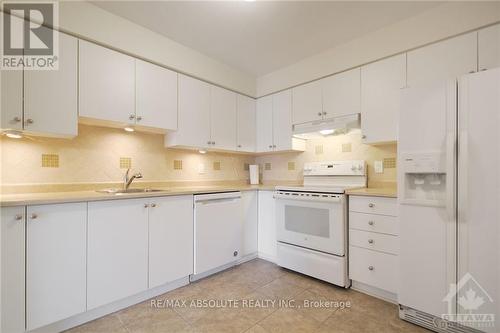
118 191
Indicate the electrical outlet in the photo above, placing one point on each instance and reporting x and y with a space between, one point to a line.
378 166
201 168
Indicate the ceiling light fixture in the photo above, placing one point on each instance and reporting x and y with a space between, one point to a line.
13 134
129 129
202 151
327 132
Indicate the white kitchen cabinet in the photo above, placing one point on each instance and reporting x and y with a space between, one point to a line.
265 124
267 226
489 47
194 115
55 262
11 99
307 102
443 60
274 124
246 127
222 118
117 250
156 96
170 239
341 94
249 244
107 84
381 84
12 297
51 96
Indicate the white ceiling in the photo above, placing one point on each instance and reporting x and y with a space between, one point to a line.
260 37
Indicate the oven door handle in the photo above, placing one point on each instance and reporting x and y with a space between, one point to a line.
335 199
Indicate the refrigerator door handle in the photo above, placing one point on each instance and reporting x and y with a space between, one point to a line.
463 139
450 174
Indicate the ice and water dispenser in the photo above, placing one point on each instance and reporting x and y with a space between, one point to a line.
423 178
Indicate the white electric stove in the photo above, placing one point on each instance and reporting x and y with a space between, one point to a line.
312 220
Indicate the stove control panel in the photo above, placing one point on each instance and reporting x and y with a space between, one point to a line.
335 168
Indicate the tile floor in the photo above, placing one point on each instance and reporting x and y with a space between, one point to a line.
256 297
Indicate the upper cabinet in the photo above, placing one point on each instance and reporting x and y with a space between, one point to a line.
107 84
307 102
222 118
156 100
381 84
194 115
274 124
246 124
489 47
43 102
443 61
341 94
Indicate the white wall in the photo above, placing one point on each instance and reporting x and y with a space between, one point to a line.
436 24
93 23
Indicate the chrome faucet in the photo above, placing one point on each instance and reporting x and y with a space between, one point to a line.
128 180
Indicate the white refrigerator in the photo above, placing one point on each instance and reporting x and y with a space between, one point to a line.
449 204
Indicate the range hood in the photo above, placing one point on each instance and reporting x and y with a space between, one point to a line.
322 128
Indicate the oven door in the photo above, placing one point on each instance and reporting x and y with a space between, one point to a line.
312 220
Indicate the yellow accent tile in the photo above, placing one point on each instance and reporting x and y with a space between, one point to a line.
318 149
177 164
216 166
346 147
389 163
267 166
50 161
125 162
291 166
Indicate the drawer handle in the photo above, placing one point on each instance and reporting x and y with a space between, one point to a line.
370 241
153 205
18 217
371 223
146 205
371 205
33 216
371 268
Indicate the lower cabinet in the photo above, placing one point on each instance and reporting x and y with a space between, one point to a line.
267 226
55 262
117 250
249 244
12 296
170 239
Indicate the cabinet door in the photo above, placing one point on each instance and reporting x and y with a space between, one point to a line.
117 250
442 61
265 124
489 47
107 84
156 99
341 94
55 262
170 239
267 226
307 102
246 129
381 84
194 114
51 96
249 244
282 120
222 118
12 305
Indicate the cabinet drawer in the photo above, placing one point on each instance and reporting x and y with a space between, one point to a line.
373 205
372 222
374 241
373 268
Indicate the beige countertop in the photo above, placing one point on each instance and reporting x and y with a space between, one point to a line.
389 192
42 198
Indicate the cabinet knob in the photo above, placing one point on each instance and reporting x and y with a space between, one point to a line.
363 136
131 117
371 205
371 223
371 268
146 205
324 113
239 146
370 241
29 121
33 216
18 217
209 142
213 142
139 118
235 253
274 146
483 69
319 114
153 205
16 119
270 146
472 71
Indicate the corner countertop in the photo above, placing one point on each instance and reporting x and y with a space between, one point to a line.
388 192
43 198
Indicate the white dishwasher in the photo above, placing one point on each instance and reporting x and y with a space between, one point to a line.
218 222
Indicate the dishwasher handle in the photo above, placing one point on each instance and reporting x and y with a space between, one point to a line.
216 201
216 197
